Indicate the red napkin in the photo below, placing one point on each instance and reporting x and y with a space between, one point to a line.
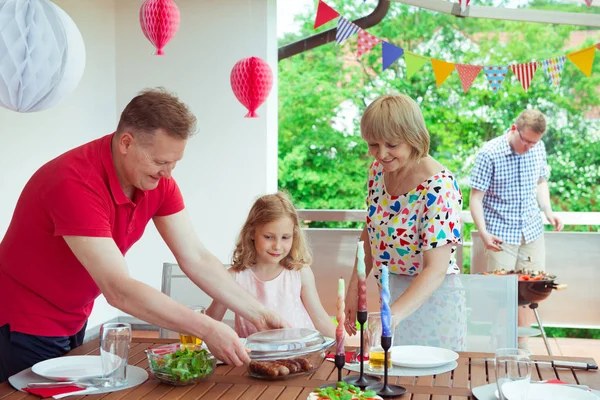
49 392
349 355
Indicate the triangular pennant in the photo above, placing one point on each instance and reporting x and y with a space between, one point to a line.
414 62
324 14
589 3
464 4
345 29
524 73
366 42
598 46
583 59
467 74
389 54
495 76
553 68
441 70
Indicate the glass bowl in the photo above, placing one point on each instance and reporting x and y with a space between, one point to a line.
286 353
180 364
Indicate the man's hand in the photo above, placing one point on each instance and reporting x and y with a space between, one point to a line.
351 308
270 320
226 346
490 241
554 220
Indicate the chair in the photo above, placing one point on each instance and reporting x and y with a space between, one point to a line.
467 313
180 288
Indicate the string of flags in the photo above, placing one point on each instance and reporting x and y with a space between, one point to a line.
495 75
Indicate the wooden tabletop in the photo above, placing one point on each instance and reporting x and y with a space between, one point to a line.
229 383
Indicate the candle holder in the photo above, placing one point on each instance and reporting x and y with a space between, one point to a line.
361 380
340 361
383 389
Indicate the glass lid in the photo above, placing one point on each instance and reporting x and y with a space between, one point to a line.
284 342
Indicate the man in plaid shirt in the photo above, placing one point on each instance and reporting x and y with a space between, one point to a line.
509 185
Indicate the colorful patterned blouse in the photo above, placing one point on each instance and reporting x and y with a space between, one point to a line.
402 227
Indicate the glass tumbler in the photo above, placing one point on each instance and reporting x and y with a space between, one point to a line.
115 340
190 339
373 333
513 373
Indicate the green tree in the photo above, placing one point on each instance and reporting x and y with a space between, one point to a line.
324 166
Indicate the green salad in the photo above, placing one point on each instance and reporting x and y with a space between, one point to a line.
185 364
345 391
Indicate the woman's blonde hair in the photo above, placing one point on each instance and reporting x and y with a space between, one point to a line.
269 208
394 118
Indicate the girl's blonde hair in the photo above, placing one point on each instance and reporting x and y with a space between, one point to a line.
269 208
394 118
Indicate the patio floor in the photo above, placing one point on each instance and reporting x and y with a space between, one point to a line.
559 346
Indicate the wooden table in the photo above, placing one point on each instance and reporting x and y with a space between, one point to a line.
228 383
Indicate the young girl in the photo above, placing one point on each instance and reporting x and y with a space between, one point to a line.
271 262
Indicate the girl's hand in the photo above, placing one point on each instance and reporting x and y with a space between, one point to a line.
351 308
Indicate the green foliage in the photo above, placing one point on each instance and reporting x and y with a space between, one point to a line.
323 163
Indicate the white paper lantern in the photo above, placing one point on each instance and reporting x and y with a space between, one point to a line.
42 55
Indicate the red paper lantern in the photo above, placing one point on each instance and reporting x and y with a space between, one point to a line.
159 20
251 81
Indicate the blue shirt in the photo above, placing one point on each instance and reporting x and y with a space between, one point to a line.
510 180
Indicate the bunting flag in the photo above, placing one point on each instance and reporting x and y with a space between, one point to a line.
589 3
414 62
553 68
324 14
524 73
441 70
495 76
345 29
584 59
389 54
366 42
467 74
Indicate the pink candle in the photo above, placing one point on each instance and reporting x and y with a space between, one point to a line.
341 319
362 278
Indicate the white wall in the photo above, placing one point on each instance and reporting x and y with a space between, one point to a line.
227 164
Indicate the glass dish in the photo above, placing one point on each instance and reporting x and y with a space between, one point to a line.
286 353
180 365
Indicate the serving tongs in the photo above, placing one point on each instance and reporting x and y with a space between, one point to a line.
512 253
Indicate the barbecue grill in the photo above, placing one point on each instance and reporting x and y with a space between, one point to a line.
531 292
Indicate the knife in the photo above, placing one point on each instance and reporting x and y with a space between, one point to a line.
563 364
56 384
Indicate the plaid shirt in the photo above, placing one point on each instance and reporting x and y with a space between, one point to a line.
509 180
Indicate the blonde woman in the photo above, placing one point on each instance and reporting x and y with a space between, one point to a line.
413 226
271 261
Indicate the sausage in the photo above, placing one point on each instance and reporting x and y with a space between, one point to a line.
304 363
283 370
292 365
264 368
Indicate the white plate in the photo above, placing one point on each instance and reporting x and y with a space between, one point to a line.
70 368
421 356
547 391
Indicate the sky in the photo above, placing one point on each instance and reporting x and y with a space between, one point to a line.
286 10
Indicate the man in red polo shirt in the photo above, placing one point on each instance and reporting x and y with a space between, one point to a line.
75 220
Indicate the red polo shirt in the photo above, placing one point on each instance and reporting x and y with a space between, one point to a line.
44 289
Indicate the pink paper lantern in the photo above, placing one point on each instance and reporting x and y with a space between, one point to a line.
159 20
251 81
